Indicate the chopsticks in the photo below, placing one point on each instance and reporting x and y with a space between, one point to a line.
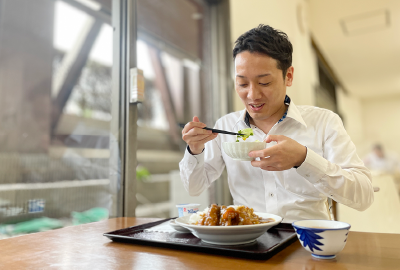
215 130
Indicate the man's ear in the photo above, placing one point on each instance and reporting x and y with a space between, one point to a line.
289 76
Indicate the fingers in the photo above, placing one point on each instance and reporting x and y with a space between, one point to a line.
195 136
268 164
284 155
194 124
270 159
258 153
273 138
197 143
194 139
272 150
208 138
269 168
262 163
197 131
267 152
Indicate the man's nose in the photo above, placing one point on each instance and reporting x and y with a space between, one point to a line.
253 93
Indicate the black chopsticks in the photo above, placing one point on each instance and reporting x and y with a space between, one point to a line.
215 130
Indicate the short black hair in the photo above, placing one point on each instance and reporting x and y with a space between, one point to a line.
266 40
378 146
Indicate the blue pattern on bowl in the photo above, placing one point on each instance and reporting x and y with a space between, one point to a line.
310 238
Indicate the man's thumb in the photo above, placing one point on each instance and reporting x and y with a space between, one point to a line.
271 138
196 119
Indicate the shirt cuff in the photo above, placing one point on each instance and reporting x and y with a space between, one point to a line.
314 167
188 148
193 160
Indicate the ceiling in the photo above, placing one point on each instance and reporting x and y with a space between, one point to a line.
360 39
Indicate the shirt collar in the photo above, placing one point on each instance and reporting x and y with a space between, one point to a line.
243 117
292 112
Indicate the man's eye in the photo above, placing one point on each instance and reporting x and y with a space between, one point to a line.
264 84
242 85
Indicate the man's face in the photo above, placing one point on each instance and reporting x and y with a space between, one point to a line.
260 84
379 152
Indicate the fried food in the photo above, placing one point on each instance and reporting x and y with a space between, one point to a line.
212 217
229 216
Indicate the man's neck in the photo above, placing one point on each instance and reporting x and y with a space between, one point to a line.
266 124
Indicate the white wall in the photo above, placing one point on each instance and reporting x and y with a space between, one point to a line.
283 15
351 110
381 118
372 120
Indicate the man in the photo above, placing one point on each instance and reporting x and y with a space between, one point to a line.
379 161
312 157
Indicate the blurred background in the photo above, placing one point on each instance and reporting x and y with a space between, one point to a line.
61 156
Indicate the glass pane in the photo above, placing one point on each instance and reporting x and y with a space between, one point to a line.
55 114
170 45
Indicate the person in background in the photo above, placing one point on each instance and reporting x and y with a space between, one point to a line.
313 157
381 162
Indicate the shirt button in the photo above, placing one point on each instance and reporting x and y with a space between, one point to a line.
307 175
271 194
190 163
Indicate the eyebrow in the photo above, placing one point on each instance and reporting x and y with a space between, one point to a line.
258 76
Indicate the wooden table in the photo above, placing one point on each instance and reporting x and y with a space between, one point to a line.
84 247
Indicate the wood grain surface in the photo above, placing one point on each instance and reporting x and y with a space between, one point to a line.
85 247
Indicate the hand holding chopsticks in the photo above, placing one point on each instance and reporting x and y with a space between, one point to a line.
196 134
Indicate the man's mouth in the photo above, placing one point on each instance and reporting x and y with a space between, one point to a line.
256 107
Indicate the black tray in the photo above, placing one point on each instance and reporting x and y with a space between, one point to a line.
267 245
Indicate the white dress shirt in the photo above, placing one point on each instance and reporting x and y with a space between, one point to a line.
332 167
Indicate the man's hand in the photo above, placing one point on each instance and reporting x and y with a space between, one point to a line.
286 154
195 136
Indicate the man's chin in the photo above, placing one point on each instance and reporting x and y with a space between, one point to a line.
257 116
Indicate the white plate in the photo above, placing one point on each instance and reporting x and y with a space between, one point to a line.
229 235
177 227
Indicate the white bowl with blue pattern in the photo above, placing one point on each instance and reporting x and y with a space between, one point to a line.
323 238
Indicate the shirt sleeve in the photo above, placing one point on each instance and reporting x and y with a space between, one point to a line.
199 171
340 174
